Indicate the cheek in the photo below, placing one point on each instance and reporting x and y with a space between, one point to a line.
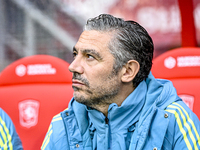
99 77
98 73
96 77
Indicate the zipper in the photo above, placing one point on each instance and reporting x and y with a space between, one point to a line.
108 134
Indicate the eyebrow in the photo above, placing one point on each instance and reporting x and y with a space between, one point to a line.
89 51
74 49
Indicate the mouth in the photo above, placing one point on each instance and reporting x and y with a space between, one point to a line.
77 83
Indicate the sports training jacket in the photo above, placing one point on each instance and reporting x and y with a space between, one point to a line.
9 139
152 117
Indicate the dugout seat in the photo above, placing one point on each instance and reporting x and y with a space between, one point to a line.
182 67
32 90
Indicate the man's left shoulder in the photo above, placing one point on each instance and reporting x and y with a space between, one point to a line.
181 110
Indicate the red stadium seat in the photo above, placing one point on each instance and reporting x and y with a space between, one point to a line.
182 67
33 90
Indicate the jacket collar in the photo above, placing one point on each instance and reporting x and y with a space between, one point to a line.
121 117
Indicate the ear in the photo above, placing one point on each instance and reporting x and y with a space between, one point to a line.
130 70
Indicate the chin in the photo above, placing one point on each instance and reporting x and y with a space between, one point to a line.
83 100
79 97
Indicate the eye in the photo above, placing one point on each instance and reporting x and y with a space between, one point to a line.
75 54
90 57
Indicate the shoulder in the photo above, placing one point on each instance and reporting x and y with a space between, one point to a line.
4 115
186 124
182 113
10 138
5 121
56 137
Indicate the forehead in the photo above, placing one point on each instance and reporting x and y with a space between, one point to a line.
93 40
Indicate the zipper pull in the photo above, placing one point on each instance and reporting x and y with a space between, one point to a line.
106 120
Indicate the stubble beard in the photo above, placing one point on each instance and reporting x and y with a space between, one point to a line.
99 96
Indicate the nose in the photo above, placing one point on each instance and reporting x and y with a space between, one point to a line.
76 66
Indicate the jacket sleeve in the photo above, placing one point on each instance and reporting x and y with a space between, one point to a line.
55 138
48 142
187 127
9 138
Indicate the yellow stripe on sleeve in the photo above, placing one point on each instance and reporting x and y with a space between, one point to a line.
6 136
50 131
45 142
191 122
186 125
1 141
3 136
58 115
57 119
181 128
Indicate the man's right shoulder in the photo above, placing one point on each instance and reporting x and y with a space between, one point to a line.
57 119
55 134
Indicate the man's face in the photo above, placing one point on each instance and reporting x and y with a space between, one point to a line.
94 82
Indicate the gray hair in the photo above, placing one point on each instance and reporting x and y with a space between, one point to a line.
130 41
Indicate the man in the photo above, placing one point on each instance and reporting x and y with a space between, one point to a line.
117 102
9 139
